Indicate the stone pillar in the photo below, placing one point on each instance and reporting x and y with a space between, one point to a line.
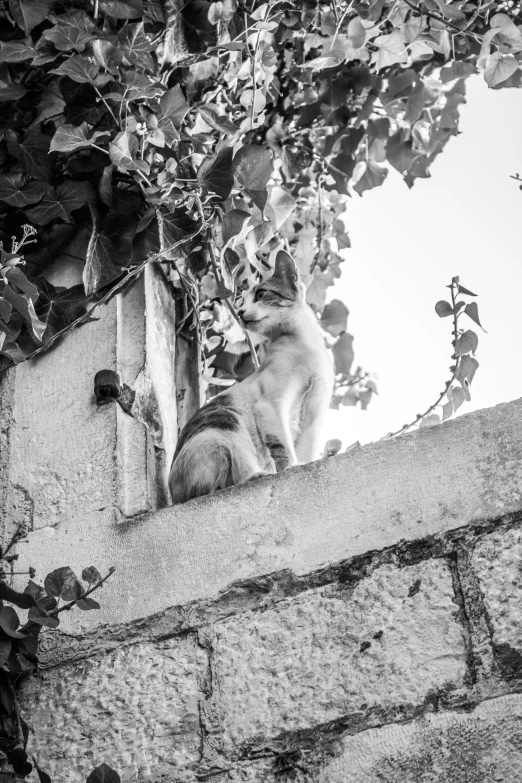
65 458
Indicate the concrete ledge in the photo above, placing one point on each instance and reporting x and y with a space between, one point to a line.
464 472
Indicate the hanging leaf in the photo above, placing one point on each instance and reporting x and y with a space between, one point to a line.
107 55
279 206
57 307
108 251
16 194
471 310
233 223
91 575
63 583
32 153
343 354
499 68
48 208
123 150
87 604
334 318
467 368
217 121
24 305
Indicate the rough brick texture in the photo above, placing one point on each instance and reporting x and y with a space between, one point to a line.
484 746
136 709
497 563
334 652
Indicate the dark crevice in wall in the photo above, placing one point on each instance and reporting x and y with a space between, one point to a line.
262 593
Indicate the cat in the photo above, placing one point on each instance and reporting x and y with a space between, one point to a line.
282 404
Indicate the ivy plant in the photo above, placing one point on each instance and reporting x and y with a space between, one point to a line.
206 135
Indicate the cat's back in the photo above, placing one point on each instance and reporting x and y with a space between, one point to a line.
220 413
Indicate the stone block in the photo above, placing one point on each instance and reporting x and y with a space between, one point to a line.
483 746
136 709
332 652
496 562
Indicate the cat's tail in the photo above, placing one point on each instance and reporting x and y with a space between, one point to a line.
210 461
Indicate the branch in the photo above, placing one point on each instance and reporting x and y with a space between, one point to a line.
133 273
406 427
70 605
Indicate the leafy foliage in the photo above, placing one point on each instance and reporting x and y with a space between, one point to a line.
126 128
19 645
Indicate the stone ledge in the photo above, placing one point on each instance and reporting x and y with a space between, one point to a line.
301 520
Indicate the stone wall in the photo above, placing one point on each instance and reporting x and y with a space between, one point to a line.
356 620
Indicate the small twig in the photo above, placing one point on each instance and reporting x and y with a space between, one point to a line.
320 231
95 12
339 23
108 108
253 59
420 416
70 605
133 273
446 22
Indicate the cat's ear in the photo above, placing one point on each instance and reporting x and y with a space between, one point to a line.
285 274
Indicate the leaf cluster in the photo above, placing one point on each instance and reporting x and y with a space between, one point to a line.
126 127
61 591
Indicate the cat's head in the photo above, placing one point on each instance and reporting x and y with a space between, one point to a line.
272 306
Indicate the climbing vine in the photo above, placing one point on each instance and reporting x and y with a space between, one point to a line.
207 135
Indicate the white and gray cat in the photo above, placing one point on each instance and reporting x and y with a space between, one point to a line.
282 405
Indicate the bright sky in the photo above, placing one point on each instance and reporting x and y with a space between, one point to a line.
408 244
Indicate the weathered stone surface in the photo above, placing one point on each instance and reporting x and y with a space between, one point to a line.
484 746
135 709
304 518
496 562
331 653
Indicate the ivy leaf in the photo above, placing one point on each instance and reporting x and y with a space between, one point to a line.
457 70
463 290
123 150
499 68
215 173
73 137
40 616
57 307
32 153
5 649
233 223
103 774
63 583
91 575
173 105
334 318
16 51
466 370
343 353
107 55
86 604
24 305
456 396
48 208
253 166
122 9
443 309
466 343
391 49
74 194
15 277
29 13
109 250
279 206
9 622
217 121
42 776
14 193
79 69
9 91
373 176
136 46
471 310
73 30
